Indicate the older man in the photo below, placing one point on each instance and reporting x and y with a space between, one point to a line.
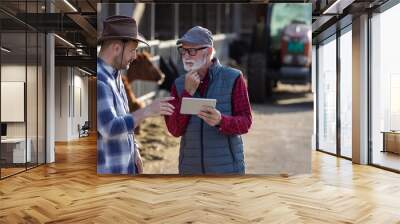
211 142
117 151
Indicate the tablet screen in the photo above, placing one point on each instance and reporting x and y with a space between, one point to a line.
194 105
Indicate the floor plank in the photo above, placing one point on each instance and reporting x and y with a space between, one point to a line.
69 191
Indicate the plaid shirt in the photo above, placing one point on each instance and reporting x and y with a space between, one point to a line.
115 125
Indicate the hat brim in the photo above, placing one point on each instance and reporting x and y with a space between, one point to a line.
184 41
138 38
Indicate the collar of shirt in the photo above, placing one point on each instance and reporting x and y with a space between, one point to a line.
204 84
111 70
114 73
206 79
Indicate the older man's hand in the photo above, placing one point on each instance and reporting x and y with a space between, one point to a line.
210 115
192 82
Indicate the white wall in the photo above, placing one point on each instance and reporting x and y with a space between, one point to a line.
13 73
61 103
70 83
79 117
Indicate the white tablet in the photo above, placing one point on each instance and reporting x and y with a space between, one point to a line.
194 105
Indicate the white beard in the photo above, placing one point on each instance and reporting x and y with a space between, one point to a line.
196 64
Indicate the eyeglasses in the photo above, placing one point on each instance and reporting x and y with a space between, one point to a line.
190 51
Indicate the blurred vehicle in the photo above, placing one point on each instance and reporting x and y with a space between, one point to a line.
289 52
280 49
295 53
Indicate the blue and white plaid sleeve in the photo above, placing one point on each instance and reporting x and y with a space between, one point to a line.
110 124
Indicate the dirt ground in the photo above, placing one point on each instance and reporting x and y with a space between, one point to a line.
279 141
159 149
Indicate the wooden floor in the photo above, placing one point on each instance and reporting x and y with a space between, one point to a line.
69 191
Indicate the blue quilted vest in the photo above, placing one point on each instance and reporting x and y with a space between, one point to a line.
203 149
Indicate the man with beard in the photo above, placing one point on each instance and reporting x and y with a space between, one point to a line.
117 151
211 141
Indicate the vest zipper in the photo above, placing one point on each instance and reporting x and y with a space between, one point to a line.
203 170
230 149
202 148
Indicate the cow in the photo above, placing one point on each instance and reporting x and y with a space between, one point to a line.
143 69
140 69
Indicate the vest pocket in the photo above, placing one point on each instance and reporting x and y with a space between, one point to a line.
237 163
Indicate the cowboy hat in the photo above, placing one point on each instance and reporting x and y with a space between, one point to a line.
120 28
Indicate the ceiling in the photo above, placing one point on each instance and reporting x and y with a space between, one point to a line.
74 21
328 13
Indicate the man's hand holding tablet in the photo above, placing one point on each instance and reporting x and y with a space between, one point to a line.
202 107
194 106
210 115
